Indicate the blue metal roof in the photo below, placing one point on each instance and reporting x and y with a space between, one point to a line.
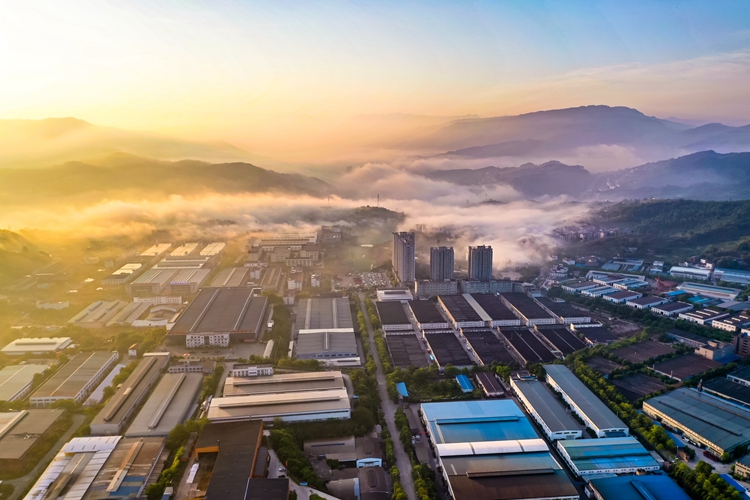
465 383
401 388
656 487
734 484
675 293
469 421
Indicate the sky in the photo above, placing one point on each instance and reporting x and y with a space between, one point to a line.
295 75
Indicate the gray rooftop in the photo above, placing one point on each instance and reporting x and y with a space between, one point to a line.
547 406
170 404
326 344
16 377
69 380
222 310
722 423
232 277
315 314
586 400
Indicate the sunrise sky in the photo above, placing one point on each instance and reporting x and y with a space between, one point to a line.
263 75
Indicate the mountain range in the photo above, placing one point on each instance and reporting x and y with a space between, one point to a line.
706 175
564 132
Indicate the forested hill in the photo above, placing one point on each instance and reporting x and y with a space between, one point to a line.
694 222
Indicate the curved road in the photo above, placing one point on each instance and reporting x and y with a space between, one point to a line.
389 408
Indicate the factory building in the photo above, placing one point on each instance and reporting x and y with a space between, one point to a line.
187 282
76 379
16 380
622 296
545 409
640 487
404 255
171 403
714 292
393 318
734 324
218 316
525 309
459 312
156 250
291 397
427 315
316 314
232 277
40 345
124 274
703 317
330 346
671 309
704 419
593 457
563 311
488 450
98 314
585 403
100 467
441 263
394 295
579 287
646 302
153 282
692 273
21 430
115 414
492 311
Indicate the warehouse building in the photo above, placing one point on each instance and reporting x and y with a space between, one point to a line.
16 380
124 274
493 312
528 311
599 291
171 403
733 324
641 487
290 407
156 250
115 414
729 390
527 347
271 279
488 450
153 282
187 282
184 250
490 385
585 403
741 376
393 318
333 346
718 425
546 409
692 273
559 340
318 314
76 379
592 457
218 316
98 314
285 383
486 347
427 315
100 467
394 294
732 275
712 291
232 277
20 430
182 263
703 317
646 302
579 287
41 345
622 297
564 312
671 309
460 313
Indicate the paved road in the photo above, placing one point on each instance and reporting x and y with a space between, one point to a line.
389 408
303 492
20 483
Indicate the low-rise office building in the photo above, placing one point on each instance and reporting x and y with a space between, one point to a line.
42 345
192 366
585 403
546 409
116 413
76 379
671 309
592 457
242 370
703 317
171 403
426 288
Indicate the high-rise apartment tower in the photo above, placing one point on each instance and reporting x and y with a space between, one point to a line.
480 263
404 250
441 263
